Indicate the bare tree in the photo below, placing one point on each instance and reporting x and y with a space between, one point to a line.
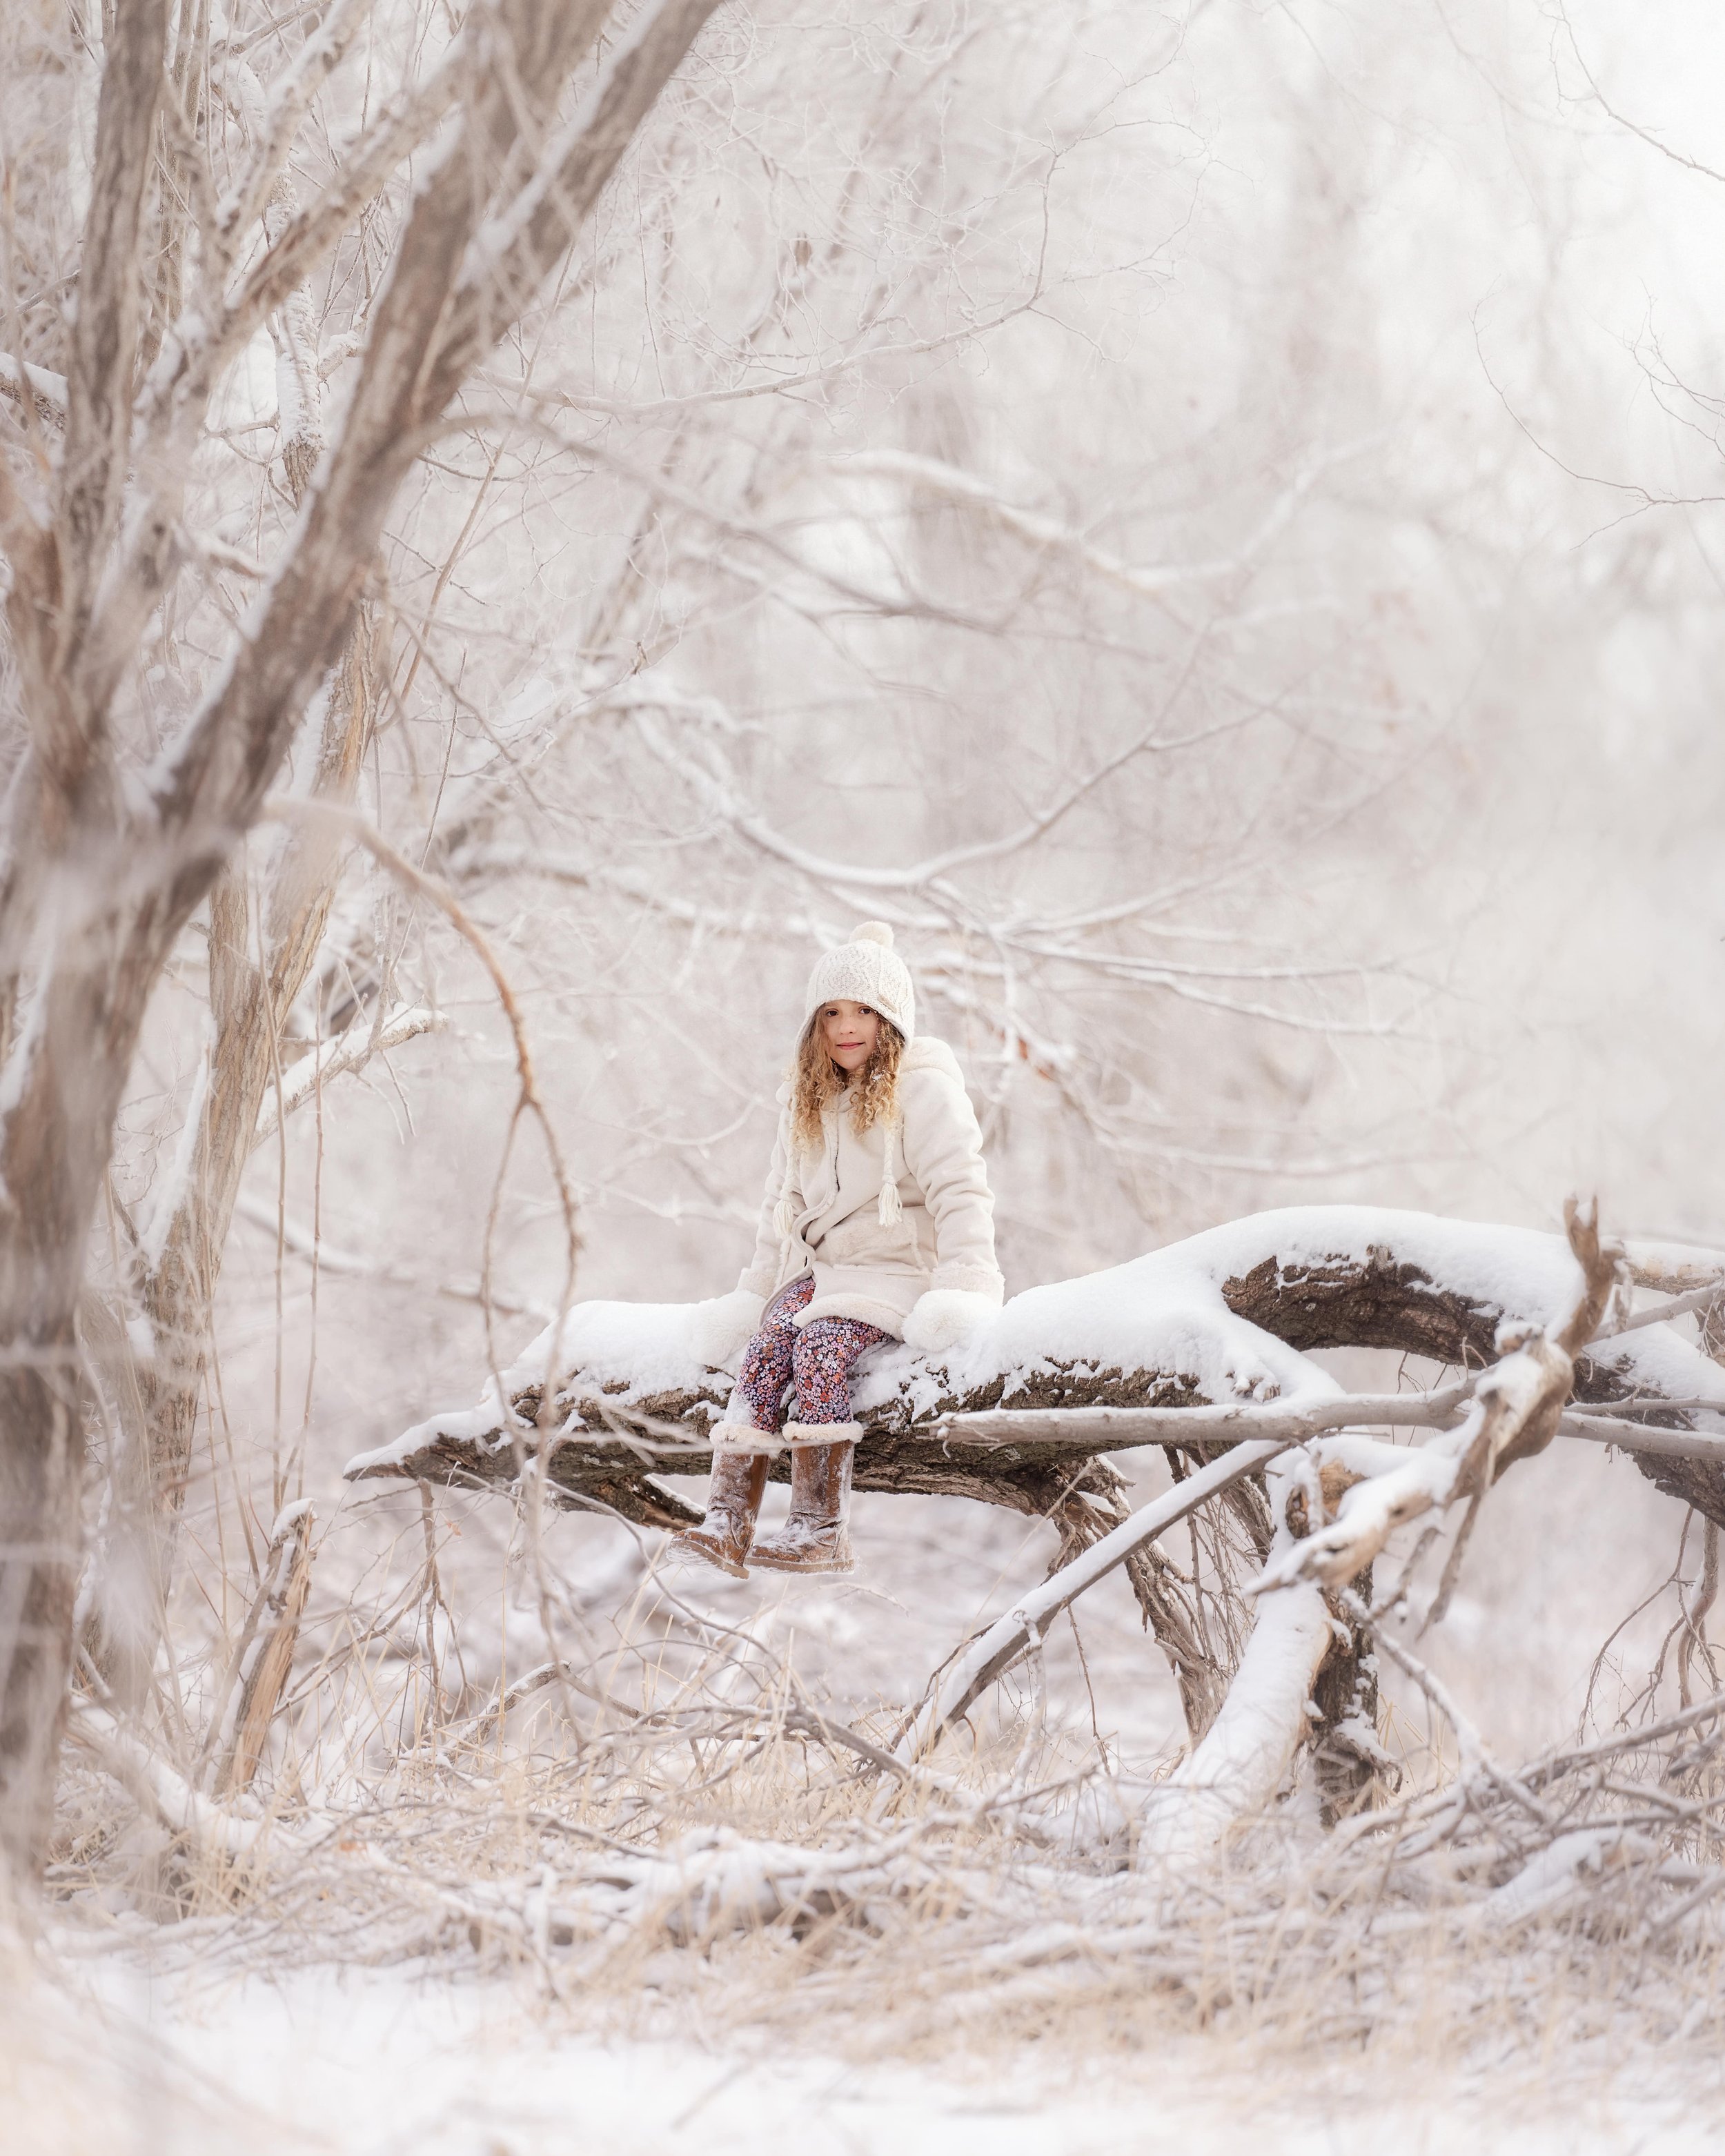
516 127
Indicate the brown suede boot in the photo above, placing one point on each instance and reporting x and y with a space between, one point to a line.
816 1537
733 1502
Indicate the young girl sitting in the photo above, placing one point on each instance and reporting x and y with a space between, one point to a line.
878 1224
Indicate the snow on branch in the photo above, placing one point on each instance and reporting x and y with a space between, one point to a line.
1198 1346
1515 1414
163 1791
350 1051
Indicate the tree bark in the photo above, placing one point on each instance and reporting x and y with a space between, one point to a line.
67 1073
1389 1303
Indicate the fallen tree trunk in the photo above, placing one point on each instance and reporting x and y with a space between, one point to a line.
1193 1347
1196 1349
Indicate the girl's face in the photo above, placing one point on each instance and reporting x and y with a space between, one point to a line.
851 1031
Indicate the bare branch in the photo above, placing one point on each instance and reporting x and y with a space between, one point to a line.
1022 1626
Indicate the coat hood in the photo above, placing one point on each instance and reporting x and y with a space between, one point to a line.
925 1053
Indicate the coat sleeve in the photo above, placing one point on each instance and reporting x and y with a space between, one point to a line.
943 1151
760 1275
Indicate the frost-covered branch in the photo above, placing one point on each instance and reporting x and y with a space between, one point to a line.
929 474
1106 1430
165 1792
350 1051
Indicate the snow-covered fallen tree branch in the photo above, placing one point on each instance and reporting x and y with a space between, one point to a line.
1200 1349
1516 1410
1196 1345
165 1793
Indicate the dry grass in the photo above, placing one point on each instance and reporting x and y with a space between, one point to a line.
674 1834
671 1835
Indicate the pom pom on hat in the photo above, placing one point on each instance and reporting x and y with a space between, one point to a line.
865 970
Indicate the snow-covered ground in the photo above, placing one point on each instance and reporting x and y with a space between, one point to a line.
208 2046
405 2063
178 2040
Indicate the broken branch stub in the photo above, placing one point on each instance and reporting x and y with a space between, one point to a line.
264 1655
1558 1350
1460 1463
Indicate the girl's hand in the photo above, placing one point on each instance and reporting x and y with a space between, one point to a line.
719 1327
944 1317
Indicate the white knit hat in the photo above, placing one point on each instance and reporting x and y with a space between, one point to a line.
865 970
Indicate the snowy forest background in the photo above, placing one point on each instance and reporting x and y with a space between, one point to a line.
1206 518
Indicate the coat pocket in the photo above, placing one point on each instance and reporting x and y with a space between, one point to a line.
861 1241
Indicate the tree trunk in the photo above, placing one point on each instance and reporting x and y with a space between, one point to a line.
250 1004
67 1074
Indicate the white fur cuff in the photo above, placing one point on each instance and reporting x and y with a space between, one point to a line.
970 1279
741 1439
721 1326
822 1433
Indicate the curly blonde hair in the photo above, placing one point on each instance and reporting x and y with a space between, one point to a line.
817 1080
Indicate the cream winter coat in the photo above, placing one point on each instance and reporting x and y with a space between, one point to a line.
829 1210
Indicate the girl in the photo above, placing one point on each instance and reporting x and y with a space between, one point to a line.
877 1224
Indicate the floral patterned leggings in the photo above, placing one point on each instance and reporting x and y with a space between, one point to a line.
819 1359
